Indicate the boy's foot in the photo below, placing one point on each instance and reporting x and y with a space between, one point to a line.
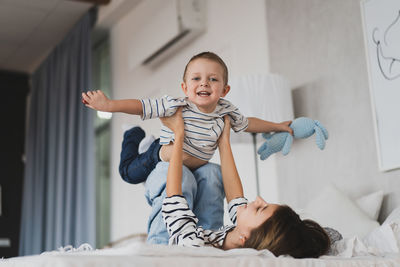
134 135
145 144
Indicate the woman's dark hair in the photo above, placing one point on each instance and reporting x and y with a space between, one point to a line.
284 233
213 57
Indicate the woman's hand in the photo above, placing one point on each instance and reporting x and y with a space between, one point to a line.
284 127
226 132
96 100
175 122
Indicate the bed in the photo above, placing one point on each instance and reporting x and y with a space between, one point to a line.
379 247
140 254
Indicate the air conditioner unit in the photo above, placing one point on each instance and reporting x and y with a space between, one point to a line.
171 25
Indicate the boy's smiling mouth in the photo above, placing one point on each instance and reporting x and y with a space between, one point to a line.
203 93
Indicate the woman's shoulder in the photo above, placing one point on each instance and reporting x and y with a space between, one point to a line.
239 201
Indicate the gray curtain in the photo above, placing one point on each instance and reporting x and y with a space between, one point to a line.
58 207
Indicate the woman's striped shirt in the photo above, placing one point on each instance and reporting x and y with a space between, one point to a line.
202 130
182 223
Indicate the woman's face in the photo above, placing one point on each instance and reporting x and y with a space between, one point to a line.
255 213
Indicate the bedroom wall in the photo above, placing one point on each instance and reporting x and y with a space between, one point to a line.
243 46
319 46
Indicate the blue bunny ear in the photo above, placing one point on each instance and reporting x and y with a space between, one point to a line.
264 152
267 135
320 138
262 148
323 129
287 145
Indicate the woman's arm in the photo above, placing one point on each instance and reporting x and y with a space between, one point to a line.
230 177
261 126
174 177
99 101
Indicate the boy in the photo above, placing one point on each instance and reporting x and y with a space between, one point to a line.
205 83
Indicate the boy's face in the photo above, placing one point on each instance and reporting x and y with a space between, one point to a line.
204 84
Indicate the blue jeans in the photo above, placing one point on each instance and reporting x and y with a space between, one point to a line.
203 190
134 168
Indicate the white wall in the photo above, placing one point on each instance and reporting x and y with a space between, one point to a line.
319 46
236 31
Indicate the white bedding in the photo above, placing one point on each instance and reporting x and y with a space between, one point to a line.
139 254
380 248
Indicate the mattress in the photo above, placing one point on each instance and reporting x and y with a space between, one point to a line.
141 254
380 248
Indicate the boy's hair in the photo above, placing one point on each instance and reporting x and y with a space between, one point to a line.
211 56
284 233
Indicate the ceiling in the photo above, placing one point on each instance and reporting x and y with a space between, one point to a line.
30 29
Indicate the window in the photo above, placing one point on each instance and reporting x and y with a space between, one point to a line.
101 80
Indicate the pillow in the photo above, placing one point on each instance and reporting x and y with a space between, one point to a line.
393 221
394 216
332 208
371 204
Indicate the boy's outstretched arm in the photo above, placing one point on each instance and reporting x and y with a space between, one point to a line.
174 177
260 126
99 101
230 176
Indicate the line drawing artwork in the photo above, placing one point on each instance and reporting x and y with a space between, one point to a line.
388 60
381 26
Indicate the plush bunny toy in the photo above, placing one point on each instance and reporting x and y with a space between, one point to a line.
302 128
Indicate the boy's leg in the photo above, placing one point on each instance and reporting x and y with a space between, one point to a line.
155 194
134 167
209 202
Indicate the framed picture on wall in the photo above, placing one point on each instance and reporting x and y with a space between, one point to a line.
381 23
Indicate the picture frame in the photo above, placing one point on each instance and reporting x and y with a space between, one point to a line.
381 27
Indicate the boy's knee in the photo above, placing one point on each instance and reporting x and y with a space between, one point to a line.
132 173
123 171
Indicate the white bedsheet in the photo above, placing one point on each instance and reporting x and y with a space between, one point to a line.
380 248
139 254
150 255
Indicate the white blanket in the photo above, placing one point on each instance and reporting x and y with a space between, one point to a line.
381 248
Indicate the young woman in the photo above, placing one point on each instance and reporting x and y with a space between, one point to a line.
257 224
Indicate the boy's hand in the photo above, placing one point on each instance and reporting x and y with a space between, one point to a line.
175 122
226 132
284 127
96 100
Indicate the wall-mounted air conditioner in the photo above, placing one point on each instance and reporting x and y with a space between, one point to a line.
162 27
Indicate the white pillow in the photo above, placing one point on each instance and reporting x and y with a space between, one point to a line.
371 204
332 208
393 220
394 216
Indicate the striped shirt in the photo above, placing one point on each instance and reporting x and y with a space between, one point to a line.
202 130
182 223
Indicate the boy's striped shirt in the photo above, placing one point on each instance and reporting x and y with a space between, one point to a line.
202 130
182 226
